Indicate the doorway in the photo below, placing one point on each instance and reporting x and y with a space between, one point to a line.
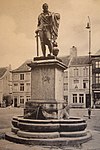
15 102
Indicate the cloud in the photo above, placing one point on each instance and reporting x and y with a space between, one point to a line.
14 47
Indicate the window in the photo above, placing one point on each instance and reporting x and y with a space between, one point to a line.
22 87
85 83
65 86
21 99
15 86
28 75
15 77
74 98
97 64
66 98
28 98
75 72
65 74
85 72
81 98
28 87
21 76
76 81
97 78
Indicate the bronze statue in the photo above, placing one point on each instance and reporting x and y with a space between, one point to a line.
48 24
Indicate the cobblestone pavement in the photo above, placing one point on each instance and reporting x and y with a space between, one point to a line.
93 125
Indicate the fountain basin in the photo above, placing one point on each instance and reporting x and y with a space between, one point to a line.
48 132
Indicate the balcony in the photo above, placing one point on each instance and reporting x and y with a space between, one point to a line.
95 86
96 70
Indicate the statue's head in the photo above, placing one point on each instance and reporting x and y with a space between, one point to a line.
45 6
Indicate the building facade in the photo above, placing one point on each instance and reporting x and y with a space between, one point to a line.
95 59
5 83
76 80
21 85
79 82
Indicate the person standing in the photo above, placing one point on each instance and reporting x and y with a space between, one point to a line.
89 112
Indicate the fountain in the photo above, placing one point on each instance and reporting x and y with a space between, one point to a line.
45 120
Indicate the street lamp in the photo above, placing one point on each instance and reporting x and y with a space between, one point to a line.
89 49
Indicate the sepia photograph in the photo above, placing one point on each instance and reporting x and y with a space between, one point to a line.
49 75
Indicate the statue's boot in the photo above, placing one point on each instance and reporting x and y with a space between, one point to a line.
43 49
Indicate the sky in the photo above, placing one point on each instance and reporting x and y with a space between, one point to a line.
18 22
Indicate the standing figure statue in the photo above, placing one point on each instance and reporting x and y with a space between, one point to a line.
48 24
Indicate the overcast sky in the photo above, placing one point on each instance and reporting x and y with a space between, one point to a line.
18 22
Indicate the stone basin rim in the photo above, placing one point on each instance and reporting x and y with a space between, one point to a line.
21 118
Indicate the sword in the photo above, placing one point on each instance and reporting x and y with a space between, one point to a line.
37 41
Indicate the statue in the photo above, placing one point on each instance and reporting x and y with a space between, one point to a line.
47 28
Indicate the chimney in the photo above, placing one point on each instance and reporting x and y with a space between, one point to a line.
73 52
9 67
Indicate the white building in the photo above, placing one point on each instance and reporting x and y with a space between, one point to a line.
21 85
76 80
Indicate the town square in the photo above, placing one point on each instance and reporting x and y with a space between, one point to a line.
49 75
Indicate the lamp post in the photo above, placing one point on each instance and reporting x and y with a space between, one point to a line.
89 49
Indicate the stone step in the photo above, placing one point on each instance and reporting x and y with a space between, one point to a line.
55 141
50 135
51 127
41 135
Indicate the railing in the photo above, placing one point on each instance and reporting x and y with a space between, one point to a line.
95 85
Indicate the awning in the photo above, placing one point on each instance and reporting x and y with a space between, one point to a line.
96 91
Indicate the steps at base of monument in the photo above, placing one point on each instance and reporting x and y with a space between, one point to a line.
55 141
48 134
31 127
41 135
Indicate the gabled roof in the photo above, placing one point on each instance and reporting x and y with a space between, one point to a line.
24 67
79 60
98 52
3 71
65 59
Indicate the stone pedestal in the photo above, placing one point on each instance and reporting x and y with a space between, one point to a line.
46 84
47 80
